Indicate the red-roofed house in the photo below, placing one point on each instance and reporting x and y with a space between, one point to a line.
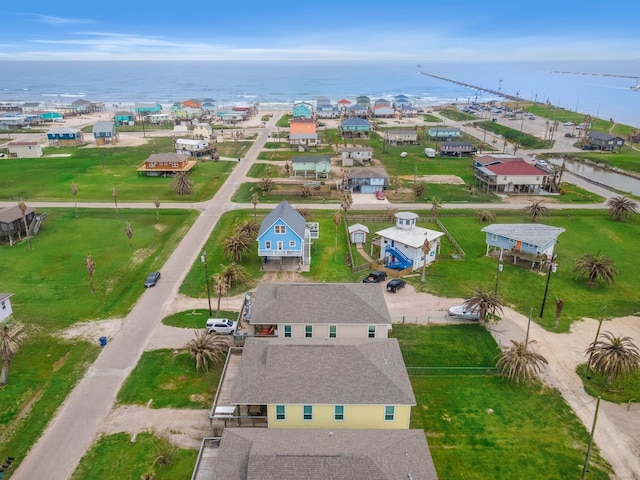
514 176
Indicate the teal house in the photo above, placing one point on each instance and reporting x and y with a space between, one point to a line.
317 166
144 108
51 116
302 110
125 118
448 134
355 127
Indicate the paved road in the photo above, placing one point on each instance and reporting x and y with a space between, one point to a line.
74 428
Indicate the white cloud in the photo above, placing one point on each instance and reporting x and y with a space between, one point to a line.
58 21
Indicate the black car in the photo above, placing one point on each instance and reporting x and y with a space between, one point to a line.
152 279
395 285
375 277
588 147
570 135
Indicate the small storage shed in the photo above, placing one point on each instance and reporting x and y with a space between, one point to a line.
358 233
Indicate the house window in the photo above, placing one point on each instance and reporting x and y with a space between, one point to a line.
308 331
174 164
530 245
292 243
267 244
280 412
152 164
494 237
280 229
307 412
511 240
287 331
338 412
389 413
504 178
372 331
333 331
4 305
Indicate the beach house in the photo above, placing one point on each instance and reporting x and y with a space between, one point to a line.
367 179
283 238
5 306
513 176
444 133
302 133
317 166
124 117
355 127
12 222
303 383
191 147
532 242
401 245
65 136
356 154
320 310
166 164
302 110
318 454
105 132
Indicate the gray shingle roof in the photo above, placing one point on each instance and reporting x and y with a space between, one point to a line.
11 214
288 214
311 158
368 172
533 233
319 303
367 371
313 454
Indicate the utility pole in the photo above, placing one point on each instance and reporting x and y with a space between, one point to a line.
203 259
593 429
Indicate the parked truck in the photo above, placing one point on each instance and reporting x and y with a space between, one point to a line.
430 152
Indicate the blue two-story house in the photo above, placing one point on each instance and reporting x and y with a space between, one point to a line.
105 132
65 136
282 235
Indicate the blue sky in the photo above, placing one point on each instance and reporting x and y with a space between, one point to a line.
403 30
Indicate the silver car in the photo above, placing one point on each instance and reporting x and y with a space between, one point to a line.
460 311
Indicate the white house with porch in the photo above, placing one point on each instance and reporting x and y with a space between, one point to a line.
401 246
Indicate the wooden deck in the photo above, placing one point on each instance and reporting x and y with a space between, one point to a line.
206 462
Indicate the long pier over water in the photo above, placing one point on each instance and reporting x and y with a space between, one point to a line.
475 87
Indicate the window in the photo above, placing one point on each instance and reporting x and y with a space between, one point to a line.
267 244
174 164
333 331
338 412
280 413
292 243
287 331
307 412
504 178
4 305
280 246
280 229
308 331
494 237
372 331
152 164
389 412
511 240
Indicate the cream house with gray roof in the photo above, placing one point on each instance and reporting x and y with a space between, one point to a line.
316 383
258 454
320 310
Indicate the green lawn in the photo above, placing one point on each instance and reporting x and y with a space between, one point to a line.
116 457
51 283
97 171
481 426
619 391
168 378
197 318
586 232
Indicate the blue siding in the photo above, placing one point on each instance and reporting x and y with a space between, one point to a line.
292 243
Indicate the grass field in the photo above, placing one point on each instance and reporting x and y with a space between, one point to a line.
481 426
196 318
97 171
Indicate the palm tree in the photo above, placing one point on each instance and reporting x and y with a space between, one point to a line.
535 210
10 338
255 200
249 226
519 363
614 357
596 267
426 248
419 188
233 274
220 288
128 231
207 349
114 194
90 265
396 183
389 213
485 215
436 204
156 202
23 209
305 191
484 302
346 202
74 192
237 245
266 185
182 184
621 207
305 212
336 222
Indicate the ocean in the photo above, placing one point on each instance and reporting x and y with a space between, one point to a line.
277 85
